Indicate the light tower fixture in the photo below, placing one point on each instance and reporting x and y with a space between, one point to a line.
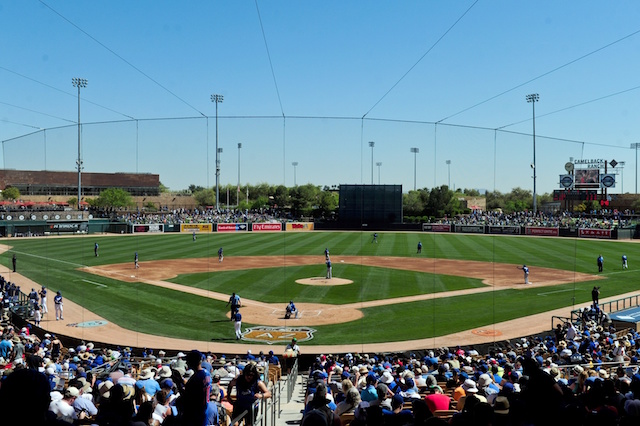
295 165
371 145
533 98
636 146
217 99
238 189
79 83
415 152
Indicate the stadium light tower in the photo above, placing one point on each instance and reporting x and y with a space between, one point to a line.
79 83
294 164
636 146
238 189
448 173
533 98
371 145
379 164
217 99
415 156
621 165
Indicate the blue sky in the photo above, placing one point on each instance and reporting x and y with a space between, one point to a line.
314 81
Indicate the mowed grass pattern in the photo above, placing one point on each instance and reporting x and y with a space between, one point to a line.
54 262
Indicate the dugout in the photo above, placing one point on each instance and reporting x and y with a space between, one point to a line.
372 206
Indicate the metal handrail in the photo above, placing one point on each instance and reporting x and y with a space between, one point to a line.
292 378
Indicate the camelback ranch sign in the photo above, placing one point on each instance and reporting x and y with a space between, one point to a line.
594 233
277 335
436 227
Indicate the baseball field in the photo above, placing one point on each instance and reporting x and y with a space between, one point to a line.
380 292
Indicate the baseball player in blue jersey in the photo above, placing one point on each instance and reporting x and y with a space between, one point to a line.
220 255
135 260
328 269
419 247
525 269
234 301
238 325
326 253
375 238
600 263
95 249
624 262
291 310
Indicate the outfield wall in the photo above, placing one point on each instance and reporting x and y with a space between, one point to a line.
23 226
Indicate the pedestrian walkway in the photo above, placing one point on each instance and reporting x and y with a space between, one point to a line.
291 412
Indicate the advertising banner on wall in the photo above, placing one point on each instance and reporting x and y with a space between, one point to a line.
436 227
148 228
542 231
506 230
470 229
71 227
594 233
232 227
197 227
299 226
263 227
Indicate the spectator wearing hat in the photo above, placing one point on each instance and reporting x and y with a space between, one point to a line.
192 403
118 407
180 364
486 387
215 409
369 392
351 399
63 408
164 374
273 359
293 346
435 398
147 384
104 391
84 401
397 415
470 388
18 349
411 390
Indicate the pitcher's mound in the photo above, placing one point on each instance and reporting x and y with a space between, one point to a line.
323 281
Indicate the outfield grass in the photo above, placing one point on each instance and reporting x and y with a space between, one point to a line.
54 262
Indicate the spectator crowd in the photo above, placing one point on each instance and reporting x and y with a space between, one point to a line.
541 219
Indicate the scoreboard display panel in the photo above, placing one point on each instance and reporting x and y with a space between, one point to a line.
575 195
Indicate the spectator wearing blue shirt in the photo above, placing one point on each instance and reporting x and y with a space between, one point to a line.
369 393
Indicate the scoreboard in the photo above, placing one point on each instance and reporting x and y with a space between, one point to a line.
575 195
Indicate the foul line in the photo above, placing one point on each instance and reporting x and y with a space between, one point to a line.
95 283
77 265
559 291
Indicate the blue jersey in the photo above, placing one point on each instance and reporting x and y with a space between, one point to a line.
525 269
624 258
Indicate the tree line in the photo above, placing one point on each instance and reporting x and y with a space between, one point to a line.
322 202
